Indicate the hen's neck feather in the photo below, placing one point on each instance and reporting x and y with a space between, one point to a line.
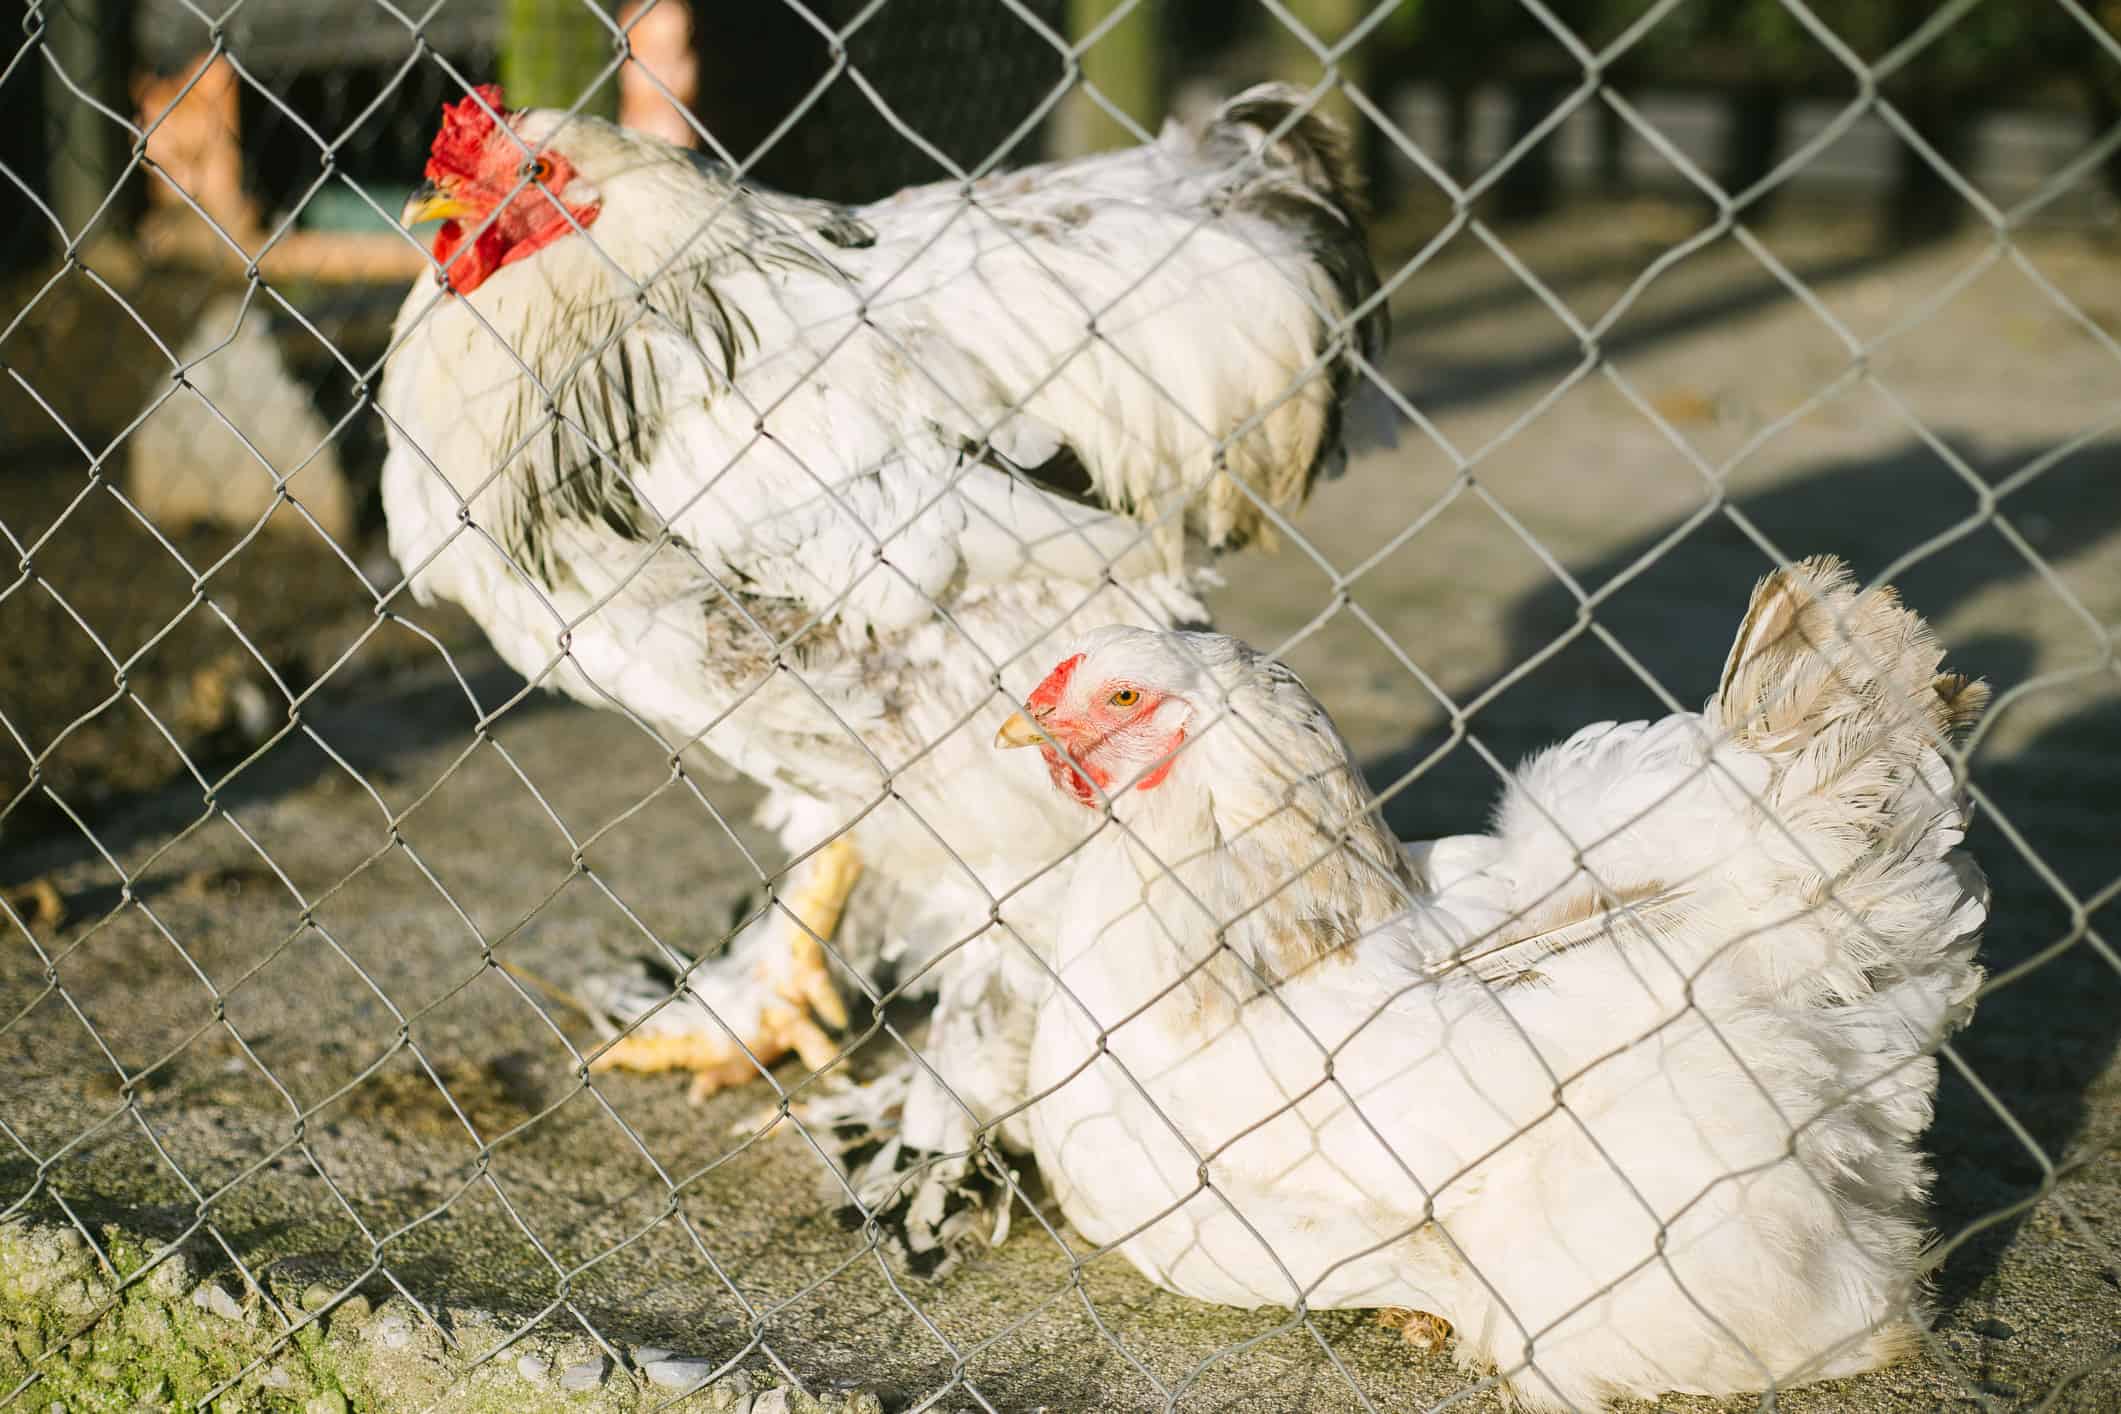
1262 853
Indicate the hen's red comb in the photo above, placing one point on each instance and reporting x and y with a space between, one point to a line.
1047 695
465 128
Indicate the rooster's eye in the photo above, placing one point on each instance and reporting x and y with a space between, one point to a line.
542 168
1126 697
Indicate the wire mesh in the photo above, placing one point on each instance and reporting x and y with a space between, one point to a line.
309 879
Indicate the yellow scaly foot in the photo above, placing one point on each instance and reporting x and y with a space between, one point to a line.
791 991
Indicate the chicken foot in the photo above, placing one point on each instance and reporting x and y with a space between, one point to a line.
1418 1329
790 992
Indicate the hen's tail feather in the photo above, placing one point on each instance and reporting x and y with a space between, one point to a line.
1815 652
1839 689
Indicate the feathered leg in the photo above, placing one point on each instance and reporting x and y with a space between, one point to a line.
910 1142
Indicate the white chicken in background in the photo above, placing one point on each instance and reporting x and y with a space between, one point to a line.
818 489
1637 1119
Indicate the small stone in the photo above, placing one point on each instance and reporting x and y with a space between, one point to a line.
861 1401
1994 1329
276 1378
351 1312
772 1401
328 1401
317 1295
29 1340
649 1354
170 1277
533 1369
585 1376
212 1296
392 1331
75 1297
675 1372
147 1321
731 1394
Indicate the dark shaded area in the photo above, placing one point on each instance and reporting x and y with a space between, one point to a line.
962 74
2037 1042
104 596
110 651
282 160
26 238
410 712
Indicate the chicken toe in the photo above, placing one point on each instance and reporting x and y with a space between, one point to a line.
733 1016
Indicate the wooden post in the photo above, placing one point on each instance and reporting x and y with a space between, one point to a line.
1124 64
89 152
553 52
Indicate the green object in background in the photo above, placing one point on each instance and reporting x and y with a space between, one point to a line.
89 156
1328 22
1122 63
554 52
336 208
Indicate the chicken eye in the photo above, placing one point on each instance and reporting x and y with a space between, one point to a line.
541 169
1126 697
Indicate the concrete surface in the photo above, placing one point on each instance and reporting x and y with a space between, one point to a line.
454 1144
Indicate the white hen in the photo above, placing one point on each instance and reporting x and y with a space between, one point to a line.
805 486
1641 1123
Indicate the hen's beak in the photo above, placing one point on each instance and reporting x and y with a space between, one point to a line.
432 203
1019 730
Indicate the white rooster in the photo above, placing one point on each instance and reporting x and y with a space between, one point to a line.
817 489
1627 1092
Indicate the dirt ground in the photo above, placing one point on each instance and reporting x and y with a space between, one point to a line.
378 1006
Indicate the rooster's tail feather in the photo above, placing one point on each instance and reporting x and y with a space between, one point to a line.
1305 175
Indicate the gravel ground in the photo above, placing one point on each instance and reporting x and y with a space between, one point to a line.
2028 1197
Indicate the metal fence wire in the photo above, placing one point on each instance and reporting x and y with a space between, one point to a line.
341 959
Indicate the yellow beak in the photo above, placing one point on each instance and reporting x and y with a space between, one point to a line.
432 203
1017 731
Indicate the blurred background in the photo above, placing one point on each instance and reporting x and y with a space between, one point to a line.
159 158
1677 289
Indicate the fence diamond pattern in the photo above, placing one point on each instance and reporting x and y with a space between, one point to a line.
662 1201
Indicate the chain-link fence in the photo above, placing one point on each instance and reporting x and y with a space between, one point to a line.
440 727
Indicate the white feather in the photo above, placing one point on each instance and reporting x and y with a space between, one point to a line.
719 462
1628 1091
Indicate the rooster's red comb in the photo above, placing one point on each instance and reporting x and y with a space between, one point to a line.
465 128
